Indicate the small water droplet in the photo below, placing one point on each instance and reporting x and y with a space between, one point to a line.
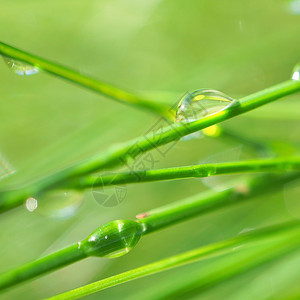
20 68
113 239
201 103
31 204
57 203
296 73
222 182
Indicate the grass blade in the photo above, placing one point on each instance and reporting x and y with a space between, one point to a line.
100 87
182 259
119 155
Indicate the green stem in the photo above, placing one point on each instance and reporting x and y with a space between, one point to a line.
109 240
120 236
182 210
219 271
196 171
85 81
121 154
184 258
44 265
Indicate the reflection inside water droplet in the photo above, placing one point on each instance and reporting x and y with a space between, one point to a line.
20 68
212 131
57 204
201 103
296 73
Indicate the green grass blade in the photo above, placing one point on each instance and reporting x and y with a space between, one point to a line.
119 155
109 238
223 269
185 209
44 265
100 87
196 171
182 259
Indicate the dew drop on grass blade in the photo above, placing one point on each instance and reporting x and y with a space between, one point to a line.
199 104
222 182
20 68
57 204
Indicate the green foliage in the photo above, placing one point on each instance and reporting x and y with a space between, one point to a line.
158 46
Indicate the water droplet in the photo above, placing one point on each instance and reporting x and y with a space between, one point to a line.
57 203
222 182
201 103
31 204
20 68
113 239
212 131
296 73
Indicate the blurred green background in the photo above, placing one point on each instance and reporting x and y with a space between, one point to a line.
162 48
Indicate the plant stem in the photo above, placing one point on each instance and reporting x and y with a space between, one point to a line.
118 236
85 81
119 155
179 211
44 265
196 171
109 240
184 258
225 268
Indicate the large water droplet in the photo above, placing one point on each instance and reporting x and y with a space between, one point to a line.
113 239
56 203
20 68
296 73
201 103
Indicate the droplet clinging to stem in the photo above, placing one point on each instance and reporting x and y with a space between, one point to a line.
113 239
19 67
201 103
